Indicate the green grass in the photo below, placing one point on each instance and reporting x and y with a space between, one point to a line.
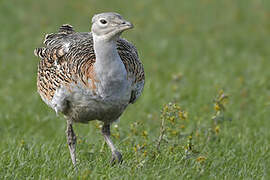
213 45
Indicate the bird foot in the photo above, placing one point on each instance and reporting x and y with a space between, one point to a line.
116 158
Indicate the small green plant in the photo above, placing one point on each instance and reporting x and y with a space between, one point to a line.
219 106
174 123
219 111
173 120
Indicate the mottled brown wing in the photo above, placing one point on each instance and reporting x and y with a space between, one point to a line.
69 56
65 57
134 67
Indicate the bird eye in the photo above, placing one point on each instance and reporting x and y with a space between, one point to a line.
103 21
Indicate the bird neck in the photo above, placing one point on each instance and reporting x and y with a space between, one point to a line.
108 63
105 50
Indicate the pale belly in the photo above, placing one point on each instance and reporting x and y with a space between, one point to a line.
105 110
81 104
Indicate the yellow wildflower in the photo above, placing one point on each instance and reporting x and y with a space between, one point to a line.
201 159
183 115
217 107
144 133
145 153
217 129
172 118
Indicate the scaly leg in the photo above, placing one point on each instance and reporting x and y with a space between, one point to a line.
71 140
116 155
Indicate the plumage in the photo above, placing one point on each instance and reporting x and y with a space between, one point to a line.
72 82
68 57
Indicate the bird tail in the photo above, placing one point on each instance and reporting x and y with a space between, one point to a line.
40 52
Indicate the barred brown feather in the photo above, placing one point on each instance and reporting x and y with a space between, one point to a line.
68 56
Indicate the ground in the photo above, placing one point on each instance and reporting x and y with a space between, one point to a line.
195 53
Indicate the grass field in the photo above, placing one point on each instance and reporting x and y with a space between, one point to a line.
191 50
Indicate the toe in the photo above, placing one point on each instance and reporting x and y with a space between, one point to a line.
116 158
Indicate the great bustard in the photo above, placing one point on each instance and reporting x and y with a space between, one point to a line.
90 75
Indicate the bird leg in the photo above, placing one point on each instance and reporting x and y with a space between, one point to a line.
116 155
71 140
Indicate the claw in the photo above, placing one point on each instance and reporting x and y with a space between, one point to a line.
116 158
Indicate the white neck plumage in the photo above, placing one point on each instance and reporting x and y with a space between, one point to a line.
109 68
104 49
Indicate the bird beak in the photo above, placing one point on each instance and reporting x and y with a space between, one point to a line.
125 25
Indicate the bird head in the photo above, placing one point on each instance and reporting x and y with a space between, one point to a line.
109 25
